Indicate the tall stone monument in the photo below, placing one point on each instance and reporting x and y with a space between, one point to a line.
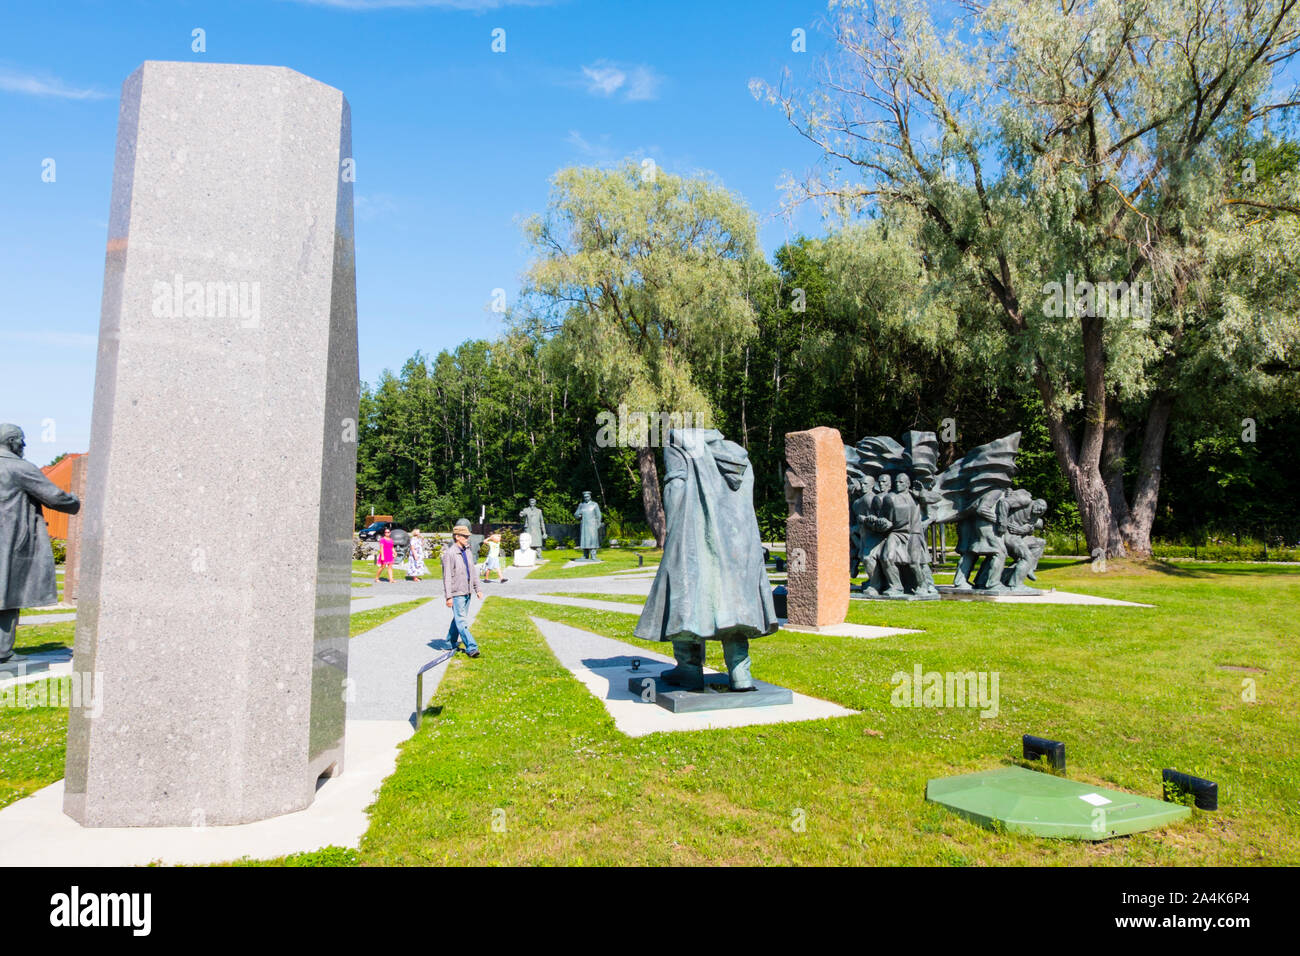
72 556
817 549
225 400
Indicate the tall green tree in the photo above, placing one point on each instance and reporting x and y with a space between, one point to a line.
1090 172
646 275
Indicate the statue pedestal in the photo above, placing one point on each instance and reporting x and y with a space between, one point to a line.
950 593
859 596
717 695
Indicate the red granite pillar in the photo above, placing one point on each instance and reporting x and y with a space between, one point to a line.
817 530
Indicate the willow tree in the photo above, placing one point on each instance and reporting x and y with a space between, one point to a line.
1093 172
645 274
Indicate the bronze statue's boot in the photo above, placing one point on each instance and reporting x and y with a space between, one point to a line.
925 580
735 651
965 564
1014 577
893 583
9 635
990 579
689 672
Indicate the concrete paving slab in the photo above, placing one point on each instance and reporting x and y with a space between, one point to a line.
1047 597
36 665
604 667
867 631
36 832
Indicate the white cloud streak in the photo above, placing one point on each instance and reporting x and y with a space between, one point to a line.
633 83
30 84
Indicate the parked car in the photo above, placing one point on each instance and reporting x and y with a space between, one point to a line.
372 532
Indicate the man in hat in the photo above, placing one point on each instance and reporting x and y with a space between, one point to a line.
458 580
26 561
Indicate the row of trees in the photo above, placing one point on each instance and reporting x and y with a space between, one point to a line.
1077 220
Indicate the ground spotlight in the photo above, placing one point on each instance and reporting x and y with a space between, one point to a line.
1053 750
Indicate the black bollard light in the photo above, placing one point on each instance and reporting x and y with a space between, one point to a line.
1205 792
1053 750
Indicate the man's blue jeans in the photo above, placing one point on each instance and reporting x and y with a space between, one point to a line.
460 624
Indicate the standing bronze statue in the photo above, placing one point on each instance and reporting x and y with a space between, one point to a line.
1024 518
712 582
26 560
981 538
534 526
867 514
588 515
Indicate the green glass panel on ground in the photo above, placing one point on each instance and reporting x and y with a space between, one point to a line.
1040 804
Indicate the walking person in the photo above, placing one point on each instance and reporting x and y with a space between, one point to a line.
415 566
494 558
384 556
458 580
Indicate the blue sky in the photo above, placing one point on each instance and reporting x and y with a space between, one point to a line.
454 146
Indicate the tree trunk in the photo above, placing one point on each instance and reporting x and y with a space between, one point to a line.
1083 472
1112 476
1137 526
654 505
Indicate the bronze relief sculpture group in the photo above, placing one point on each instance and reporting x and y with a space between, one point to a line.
896 493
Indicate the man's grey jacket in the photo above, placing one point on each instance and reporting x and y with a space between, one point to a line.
26 561
458 571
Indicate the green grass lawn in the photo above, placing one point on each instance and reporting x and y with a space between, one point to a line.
399 572
32 737
44 637
514 738
32 733
597 596
612 559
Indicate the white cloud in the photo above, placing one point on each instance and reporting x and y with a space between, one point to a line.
605 78
643 84
598 150
14 81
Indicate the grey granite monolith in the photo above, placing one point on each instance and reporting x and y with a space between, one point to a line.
215 569
72 555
